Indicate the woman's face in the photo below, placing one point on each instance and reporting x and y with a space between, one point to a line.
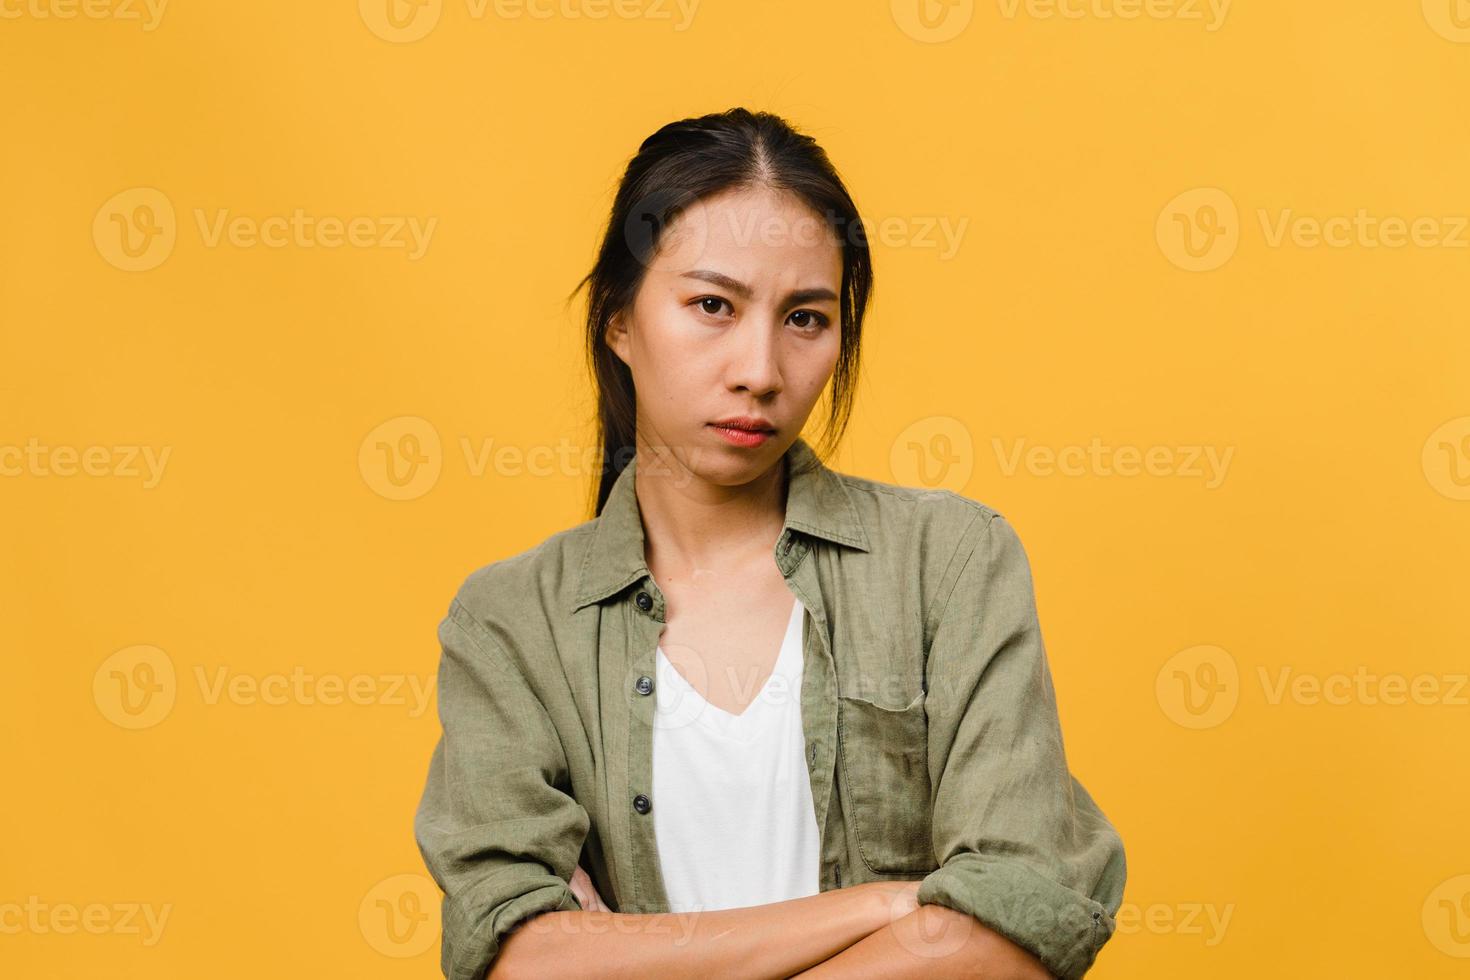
738 315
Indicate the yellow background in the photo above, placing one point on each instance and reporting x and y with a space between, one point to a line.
1332 835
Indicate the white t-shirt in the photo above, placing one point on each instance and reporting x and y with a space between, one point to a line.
733 813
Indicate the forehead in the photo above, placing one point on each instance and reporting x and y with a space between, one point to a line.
754 234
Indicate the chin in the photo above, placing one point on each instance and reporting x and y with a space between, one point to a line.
715 460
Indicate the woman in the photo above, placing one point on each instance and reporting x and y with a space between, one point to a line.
664 752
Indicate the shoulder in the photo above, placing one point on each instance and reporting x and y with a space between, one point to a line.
541 579
893 511
938 540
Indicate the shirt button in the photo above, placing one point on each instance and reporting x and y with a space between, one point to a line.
645 601
786 548
641 804
644 685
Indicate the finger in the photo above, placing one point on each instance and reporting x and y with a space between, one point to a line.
585 891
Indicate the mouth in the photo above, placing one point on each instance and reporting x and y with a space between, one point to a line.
743 432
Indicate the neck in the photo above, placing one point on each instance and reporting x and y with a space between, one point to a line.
692 525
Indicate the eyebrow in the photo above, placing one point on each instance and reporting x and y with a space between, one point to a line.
745 292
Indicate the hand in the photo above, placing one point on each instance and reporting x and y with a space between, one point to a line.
586 892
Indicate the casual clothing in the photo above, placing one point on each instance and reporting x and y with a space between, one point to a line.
735 822
932 742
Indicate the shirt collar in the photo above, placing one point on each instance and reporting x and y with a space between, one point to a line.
817 503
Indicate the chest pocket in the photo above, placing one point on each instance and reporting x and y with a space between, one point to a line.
885 775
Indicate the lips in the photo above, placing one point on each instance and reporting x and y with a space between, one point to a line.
743 432
745 424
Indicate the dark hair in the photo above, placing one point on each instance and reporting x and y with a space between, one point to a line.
681 164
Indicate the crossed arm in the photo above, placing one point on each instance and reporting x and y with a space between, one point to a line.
875 929
932 941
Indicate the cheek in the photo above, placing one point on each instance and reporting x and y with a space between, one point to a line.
667 353
811 376
667 322
657 337
822 359
671 363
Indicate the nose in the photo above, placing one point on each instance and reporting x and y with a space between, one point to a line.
755 357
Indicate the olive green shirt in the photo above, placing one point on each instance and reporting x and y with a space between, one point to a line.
932 738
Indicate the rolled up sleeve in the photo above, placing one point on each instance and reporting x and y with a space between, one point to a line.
496 827
1020 844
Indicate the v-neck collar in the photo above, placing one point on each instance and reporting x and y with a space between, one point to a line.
786 665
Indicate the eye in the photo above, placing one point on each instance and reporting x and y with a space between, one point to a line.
816 320
704 303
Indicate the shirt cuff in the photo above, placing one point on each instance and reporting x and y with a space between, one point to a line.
474 940
1061 927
